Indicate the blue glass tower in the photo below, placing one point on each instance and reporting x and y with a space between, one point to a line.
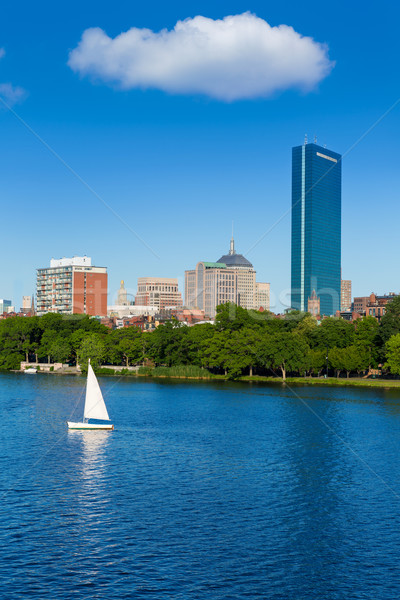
316 227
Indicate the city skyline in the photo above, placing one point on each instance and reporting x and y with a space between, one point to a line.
184 161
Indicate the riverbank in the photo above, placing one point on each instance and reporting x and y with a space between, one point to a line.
198 374
329 381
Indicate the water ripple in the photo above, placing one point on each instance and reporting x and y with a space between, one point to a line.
206 491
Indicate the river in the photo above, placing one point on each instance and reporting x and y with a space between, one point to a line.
204 490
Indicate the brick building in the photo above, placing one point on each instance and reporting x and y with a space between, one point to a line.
72 286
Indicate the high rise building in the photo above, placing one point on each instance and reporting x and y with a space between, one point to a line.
262 296
72 286
231 279
209 285
5 306
345 295
159 292
316 227
28 305
246 276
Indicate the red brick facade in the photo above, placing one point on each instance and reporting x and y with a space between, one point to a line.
89 293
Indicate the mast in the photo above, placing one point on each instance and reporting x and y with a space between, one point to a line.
232 245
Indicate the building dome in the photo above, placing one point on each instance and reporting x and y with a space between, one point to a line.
235 260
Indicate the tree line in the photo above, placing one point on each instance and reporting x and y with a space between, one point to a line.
240 342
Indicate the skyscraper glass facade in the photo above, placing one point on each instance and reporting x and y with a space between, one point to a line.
316 227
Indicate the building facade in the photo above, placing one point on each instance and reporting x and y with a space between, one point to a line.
316 227
314 305
232 278
5 306
262 296
158 292
376 305
345 295
28 305
360 304
72 286
245 274
122 297
209 285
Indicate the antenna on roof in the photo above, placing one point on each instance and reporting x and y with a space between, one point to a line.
305 139
232 245
315 139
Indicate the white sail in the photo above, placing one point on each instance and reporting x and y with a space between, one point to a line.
94 403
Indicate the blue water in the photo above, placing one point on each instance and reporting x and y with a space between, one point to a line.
203 491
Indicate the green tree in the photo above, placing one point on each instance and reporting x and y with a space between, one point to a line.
393 354
286 351
367 340
60 349
92 347
336 360
390 322
352 359
46 343
231 317
316 361
335 332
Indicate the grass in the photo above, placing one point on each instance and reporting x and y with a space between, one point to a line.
184 371
330 381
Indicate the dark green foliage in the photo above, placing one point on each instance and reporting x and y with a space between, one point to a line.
240 343
390 322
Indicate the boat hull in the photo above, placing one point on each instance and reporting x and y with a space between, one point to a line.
72 425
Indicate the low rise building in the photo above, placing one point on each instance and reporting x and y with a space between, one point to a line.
376 305
313 304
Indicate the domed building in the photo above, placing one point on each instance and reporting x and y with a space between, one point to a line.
231 279
235 260
246 276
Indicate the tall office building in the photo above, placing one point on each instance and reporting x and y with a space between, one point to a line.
231 279
5 306
262 296
345 295
316 227
72 286
246 276
28 305
158 292
209 285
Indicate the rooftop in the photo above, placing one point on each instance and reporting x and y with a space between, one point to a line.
235 260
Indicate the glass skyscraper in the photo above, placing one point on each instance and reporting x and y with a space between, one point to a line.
316 227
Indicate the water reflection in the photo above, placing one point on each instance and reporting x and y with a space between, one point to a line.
90 450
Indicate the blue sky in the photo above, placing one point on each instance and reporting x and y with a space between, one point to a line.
179 167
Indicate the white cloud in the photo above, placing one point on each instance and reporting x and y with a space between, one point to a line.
237 57
9 93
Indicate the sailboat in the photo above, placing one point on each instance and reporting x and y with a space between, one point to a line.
95 407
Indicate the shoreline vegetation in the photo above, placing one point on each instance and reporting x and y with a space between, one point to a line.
173 373
242 345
